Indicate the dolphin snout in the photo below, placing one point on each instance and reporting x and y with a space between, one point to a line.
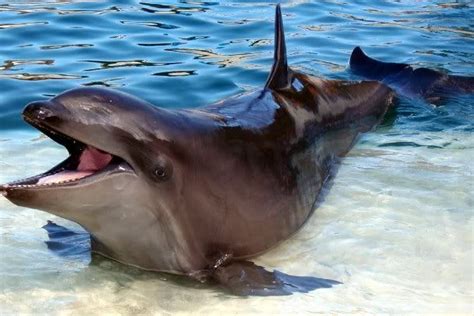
38 111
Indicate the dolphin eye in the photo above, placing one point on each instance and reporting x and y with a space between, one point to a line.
162 173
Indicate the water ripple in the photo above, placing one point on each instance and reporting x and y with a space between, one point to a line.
220 59
61 46
153 24
176 73
38 76
171 9
11 64
104 64
30 8
15 25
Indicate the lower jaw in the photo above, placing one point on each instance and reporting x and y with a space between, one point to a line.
64 176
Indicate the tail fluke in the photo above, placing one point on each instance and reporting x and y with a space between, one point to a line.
370 68
432 85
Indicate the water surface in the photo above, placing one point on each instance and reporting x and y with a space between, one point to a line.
396 226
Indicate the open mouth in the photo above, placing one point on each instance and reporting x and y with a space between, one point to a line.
84 164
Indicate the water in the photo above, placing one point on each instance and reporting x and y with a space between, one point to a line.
397 225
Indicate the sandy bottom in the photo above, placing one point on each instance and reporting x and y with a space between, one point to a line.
396 228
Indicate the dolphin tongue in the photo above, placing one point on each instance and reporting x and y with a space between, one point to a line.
93 159
90 161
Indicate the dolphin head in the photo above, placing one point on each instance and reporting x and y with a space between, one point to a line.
115 182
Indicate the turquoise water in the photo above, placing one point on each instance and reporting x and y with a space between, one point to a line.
395 228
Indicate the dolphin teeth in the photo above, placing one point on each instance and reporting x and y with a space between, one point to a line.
16 182
14 185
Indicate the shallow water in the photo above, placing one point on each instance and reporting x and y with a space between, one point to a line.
396 225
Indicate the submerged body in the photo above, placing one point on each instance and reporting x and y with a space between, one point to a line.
198 191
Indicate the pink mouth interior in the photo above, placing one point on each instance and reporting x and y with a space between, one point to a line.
90 161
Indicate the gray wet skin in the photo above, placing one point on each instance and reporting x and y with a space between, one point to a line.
198 191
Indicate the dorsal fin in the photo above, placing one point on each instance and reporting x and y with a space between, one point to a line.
279 75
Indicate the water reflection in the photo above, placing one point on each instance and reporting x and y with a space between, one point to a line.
317 28
60 46
10 64
219 59
261 42
407 24
109 83
162 44
195 2
194 38
106 64
14 25
28 7
153 24
170 9
468 58
40 76
176 73
462 31
237 22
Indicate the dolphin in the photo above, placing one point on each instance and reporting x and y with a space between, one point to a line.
200 191
431 85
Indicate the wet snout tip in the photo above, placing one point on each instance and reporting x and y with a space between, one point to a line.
37 110
3 191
